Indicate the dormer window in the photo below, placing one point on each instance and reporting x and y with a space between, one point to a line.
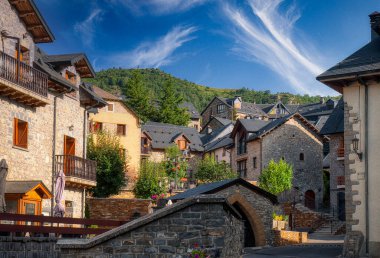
182 144
70 77
221 108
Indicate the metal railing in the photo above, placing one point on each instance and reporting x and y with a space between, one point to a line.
76 167
23 75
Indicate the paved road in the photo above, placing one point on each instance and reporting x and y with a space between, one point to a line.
306 251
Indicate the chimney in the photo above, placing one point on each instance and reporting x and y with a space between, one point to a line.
322 100
375 25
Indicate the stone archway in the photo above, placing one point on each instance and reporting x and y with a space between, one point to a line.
250 213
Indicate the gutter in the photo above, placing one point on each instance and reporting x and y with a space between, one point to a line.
366 141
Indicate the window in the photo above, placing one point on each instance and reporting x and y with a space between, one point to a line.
242 147
254 162
20 133
340 180
242 168
69 209
302 157
96 127
224 152
182 144
220 108
110 107
121 129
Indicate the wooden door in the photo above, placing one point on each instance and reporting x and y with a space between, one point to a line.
310 199
69 152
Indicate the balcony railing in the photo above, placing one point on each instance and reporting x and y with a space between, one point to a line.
23 75
78 167
145 149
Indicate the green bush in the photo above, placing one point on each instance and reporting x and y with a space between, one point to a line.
151 180
175 165
276 177
209 170
110 170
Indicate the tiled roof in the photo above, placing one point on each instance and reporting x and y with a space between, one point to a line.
225 141
223 121
335 123
70 59
253 125
194 114
214 187
105 95
251 109
22 187
89 89
164 135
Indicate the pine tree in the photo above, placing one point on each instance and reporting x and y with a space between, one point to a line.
169 110
138 97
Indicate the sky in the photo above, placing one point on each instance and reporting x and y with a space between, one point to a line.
276 45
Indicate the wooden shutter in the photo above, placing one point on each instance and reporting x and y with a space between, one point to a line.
20 133
121 129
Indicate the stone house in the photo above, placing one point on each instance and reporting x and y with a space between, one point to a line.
43 107
156 137
254 204
292 138
215 123
334 129
230 108
357 78
122 121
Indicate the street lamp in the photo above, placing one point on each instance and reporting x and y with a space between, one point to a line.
355 143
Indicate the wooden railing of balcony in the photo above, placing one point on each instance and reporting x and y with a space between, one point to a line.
24 75
76 167
340 152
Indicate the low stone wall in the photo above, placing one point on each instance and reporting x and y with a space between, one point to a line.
28 247
282 237
118 209
303 219
208 222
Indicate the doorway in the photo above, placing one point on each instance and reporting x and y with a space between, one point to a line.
69 153
249 236
341 206
310 199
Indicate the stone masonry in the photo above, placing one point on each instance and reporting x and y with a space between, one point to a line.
211 110
209 222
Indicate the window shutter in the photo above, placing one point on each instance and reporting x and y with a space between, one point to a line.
24 135
15 131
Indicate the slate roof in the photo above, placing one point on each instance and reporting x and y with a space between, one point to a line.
321 122
251 109
194 114
89 89
335 123
224 141
365 60
213 188
105 95
253 125
21 187
163 135
69 59
49 70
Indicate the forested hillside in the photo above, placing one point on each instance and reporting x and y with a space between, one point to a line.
116 81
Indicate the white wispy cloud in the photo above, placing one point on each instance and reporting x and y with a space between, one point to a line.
86 28
160 52
266 35
158 7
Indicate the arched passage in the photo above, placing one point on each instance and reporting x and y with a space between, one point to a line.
249 213
310 199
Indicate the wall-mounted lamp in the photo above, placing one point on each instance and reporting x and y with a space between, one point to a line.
71 128
355 143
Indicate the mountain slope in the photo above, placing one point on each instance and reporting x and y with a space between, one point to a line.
115 80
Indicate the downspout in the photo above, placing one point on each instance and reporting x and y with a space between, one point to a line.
366 140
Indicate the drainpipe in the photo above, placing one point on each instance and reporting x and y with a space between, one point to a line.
366 140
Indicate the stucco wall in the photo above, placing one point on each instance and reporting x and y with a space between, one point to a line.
130 142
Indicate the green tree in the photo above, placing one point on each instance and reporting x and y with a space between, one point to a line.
104 148
175 164
276 177
138 97
151 180
169 110
209 170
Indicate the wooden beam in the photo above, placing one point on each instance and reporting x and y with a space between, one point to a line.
34 26
26 14
17 1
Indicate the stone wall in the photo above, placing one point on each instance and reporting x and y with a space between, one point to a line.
170 232
211 110
336 168
303 219
118 209
43 247
283 237
253 151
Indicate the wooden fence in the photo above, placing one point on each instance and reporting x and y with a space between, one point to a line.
36 225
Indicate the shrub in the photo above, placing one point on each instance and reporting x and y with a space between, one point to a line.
151 180
276 177
209 170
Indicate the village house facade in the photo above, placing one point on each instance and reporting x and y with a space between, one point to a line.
334 130
121 120
43 110
195 117
292 138
357 78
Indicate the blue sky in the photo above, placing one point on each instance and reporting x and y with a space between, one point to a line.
277 45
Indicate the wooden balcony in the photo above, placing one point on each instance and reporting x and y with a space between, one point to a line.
22 83
79 172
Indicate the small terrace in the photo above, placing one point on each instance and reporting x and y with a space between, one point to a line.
22 83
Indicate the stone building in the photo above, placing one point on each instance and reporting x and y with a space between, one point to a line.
195 117
292 138
357 78
43 107
334 129
156 137
122 121
254 204
215 123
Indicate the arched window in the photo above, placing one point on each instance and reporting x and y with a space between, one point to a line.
302 157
